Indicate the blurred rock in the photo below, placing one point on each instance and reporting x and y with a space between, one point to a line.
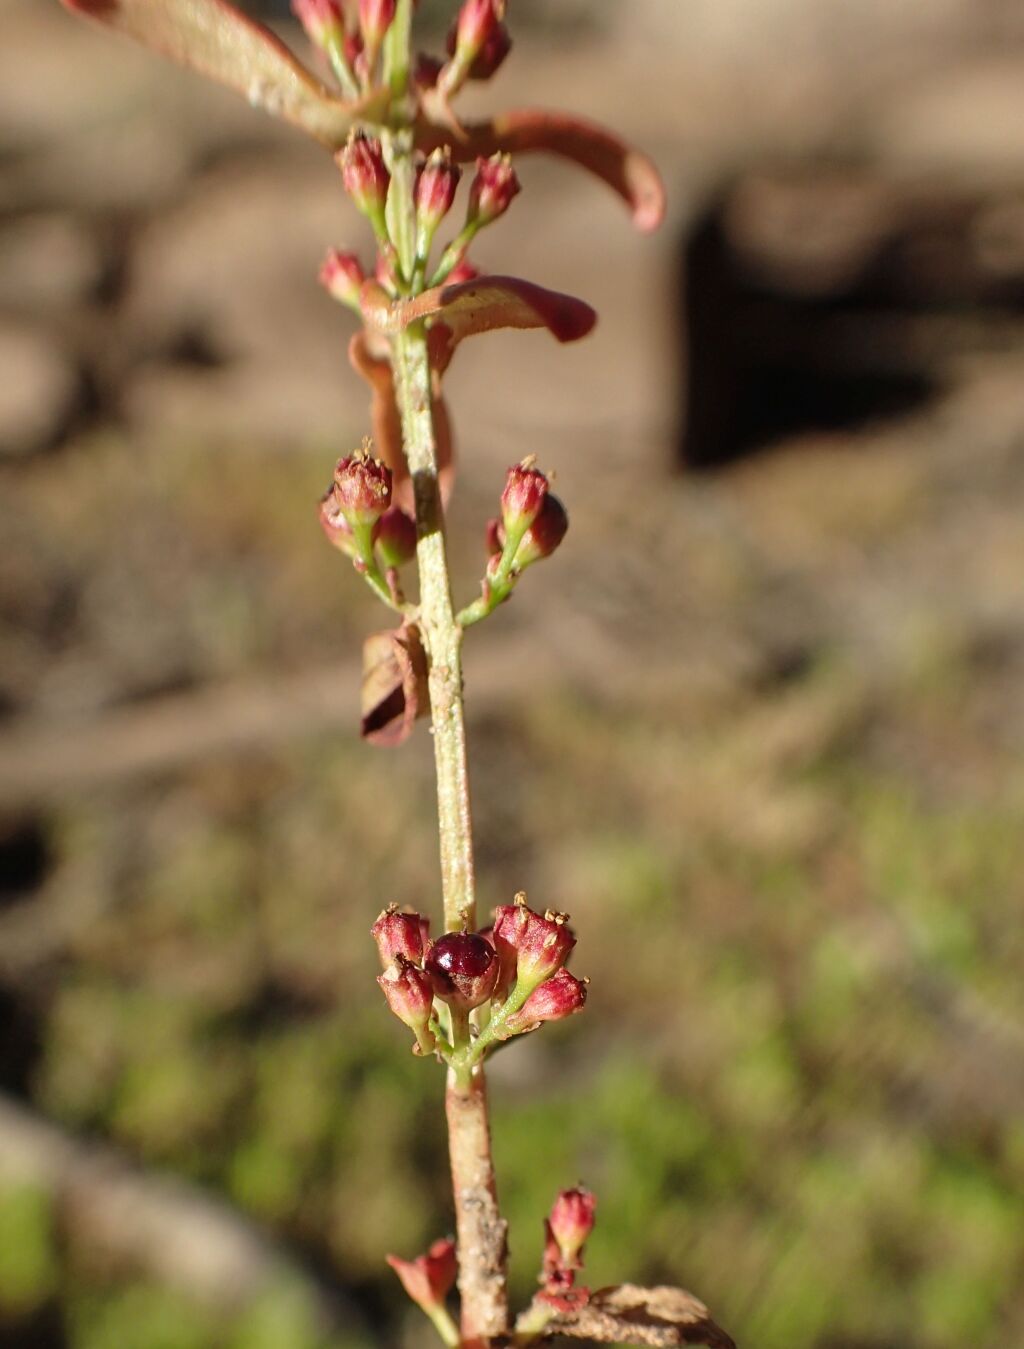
39 394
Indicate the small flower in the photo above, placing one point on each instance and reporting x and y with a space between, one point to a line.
366 178
523 497
435 192
429 1278
323 20
375 18
492 190
341 275
570 1224
410 997
489 54
462 968
555 999
395 538
401 934
362 489
531 948
544 535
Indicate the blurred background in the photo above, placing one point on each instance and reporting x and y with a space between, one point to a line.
758 727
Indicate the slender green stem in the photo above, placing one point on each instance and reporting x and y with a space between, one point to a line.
481 1230
445 1325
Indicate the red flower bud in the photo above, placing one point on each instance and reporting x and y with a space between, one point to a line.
476 22
435 189
341 276
462 968
366 178
362 488
426 70
401 934
544 535
556 998
375 18
495 538
492 190
409 994
523 497
530 948
570 1223
323 20
395 537
496 46
429 1278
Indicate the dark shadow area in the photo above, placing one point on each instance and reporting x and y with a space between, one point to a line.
25 858
824 299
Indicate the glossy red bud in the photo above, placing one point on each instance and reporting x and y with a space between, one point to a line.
544 534
462 968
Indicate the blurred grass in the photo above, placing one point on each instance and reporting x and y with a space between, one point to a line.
796 1088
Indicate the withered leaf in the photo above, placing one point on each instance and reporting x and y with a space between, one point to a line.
394 690
662 1317
220 41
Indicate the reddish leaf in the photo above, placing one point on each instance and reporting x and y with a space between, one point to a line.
481 304
394 685
221 42
626 171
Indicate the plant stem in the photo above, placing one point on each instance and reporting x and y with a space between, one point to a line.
480 1227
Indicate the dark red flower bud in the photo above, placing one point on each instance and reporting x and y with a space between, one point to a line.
429 1278
495 538
410 995
492 190
395 537
398 933
435 189
544 535
366 178
555 999
571 1223
491 55
523 497
375 18
341 275
530 948
362 488
462 968
323 20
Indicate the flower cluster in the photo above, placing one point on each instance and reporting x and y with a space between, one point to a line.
515 970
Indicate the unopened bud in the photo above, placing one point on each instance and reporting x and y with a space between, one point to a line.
571 1223
375 18
473 28
555 999
523 497
366 178
544 535
490 54
429 1278
530 947
435 192
362 489
462 271
409 994
401 934
323 20
494 539
463 969
492 190
341 275
395 538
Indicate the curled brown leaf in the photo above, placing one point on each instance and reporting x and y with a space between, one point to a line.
628 172
218 40
394 689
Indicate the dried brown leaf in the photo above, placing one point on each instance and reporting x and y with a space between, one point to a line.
661 1317
219 41
627 172
394 690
